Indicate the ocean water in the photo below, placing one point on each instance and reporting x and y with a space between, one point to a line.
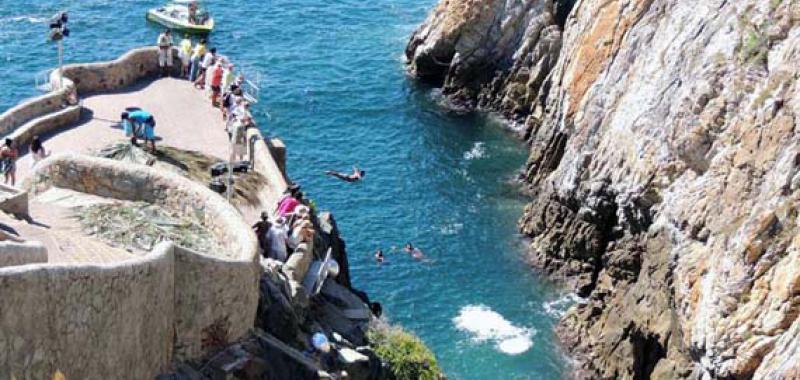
334 88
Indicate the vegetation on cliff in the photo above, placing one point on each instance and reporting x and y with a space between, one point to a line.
406 355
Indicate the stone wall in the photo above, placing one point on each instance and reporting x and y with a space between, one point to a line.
21 253
59 108
176 304
88 321
269 160
114 75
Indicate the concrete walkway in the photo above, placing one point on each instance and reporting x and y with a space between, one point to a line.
54 223
184 119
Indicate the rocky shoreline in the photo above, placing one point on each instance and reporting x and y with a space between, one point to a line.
663 169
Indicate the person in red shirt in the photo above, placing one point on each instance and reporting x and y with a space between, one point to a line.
216 84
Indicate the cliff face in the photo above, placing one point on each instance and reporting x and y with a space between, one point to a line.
665 168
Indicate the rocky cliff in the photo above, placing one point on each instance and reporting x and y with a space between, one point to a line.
664 167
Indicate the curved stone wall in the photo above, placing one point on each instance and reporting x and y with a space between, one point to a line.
59 108
88 321
113 75
184 303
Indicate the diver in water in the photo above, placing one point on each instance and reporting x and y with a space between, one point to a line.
356 176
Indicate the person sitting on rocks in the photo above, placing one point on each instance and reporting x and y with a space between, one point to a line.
261 229
356 176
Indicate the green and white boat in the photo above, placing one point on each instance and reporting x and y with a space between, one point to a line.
184 16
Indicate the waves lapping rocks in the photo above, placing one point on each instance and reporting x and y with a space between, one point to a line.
664 164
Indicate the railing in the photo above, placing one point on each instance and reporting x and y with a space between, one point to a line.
42 80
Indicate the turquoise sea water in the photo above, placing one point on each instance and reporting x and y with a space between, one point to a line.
335 90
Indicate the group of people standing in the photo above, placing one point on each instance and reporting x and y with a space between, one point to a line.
216 75
292 229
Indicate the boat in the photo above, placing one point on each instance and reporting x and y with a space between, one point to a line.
175 15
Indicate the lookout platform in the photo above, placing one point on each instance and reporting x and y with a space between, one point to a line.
184 119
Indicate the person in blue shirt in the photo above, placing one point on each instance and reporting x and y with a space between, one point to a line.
139 124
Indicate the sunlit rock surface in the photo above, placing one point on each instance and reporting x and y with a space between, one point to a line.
664 164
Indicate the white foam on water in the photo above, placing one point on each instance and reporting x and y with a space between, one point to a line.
486 325
451 229
559 306
478 151
30 19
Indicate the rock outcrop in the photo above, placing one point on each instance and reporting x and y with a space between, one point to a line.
664 167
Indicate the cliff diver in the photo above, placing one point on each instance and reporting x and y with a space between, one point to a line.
356 176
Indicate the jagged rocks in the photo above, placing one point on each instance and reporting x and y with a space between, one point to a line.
664 168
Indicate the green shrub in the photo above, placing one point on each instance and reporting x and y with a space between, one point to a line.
405 354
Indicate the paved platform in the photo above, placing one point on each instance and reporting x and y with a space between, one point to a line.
184 119
53 222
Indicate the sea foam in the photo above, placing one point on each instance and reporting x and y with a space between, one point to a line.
558 307
478 151
486 325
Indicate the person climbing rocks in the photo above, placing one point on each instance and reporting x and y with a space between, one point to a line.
8 161
165 51
356 176
261 228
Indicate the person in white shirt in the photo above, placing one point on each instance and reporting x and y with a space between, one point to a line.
277 237
205 64
165 51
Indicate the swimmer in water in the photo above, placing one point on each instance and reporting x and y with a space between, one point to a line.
356 176
414 251
379 257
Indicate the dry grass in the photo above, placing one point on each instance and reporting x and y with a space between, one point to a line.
192 164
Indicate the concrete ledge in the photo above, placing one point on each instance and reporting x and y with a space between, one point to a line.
29 252
36 107
45 124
